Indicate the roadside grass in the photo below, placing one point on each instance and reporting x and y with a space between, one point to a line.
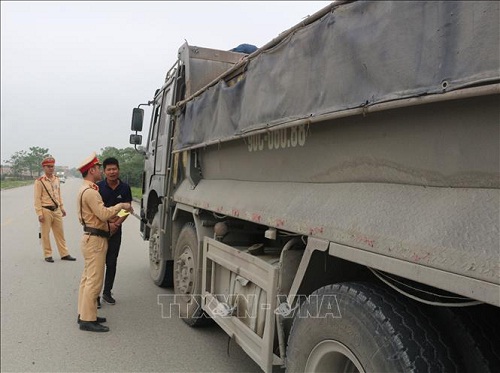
136 193
8 184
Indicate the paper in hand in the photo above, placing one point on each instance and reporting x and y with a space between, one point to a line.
122 213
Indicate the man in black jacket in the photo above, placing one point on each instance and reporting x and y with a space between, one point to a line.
113 191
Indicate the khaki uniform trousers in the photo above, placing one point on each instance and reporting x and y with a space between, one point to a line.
53 220
94 250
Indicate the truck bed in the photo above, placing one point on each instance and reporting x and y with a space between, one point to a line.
375 127
454 230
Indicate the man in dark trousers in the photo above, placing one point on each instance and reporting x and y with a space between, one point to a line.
113 191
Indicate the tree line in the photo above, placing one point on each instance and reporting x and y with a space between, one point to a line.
27 163
131 163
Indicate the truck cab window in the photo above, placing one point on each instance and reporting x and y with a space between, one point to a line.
156 118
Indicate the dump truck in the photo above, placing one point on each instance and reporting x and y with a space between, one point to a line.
332 199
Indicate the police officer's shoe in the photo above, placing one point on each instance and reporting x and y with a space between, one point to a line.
68 257
108 298
99 320
49 259
92 326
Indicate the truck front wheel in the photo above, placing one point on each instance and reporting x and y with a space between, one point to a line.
355 327
159 269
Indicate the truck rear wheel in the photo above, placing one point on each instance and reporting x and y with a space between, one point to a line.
475 333
161 271
187 277
356 327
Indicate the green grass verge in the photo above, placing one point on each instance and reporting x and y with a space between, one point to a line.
8 184
136 193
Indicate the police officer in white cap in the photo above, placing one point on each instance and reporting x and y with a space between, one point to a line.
50 210
94 217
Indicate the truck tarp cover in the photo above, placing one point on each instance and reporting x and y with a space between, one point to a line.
360 54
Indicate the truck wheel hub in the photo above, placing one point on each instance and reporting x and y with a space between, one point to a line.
184 272
332 356
154 248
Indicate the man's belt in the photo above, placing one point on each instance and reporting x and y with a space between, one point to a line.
96 232
51 208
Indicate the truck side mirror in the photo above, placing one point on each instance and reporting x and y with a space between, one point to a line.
135 139
137 119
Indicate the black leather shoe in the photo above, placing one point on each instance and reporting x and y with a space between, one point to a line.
68 257
49 259
99 320
108 299
93 326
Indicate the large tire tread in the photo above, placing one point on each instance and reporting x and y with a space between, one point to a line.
423 341
475 333
168 279
416 345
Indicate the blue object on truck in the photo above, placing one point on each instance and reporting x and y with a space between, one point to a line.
244 48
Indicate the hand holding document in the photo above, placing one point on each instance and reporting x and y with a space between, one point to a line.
122 213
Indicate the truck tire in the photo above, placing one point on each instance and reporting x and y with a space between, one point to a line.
161 271
355 327
187 277
475 334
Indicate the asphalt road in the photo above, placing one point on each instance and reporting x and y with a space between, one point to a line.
39 332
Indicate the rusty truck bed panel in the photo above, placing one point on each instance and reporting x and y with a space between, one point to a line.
452 229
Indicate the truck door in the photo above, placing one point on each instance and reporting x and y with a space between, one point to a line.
150 162
162 138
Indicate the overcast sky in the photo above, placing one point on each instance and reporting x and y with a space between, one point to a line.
72 71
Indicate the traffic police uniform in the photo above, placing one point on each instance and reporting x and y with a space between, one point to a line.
49 204
93 215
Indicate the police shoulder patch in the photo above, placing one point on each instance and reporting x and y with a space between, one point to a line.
94 186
